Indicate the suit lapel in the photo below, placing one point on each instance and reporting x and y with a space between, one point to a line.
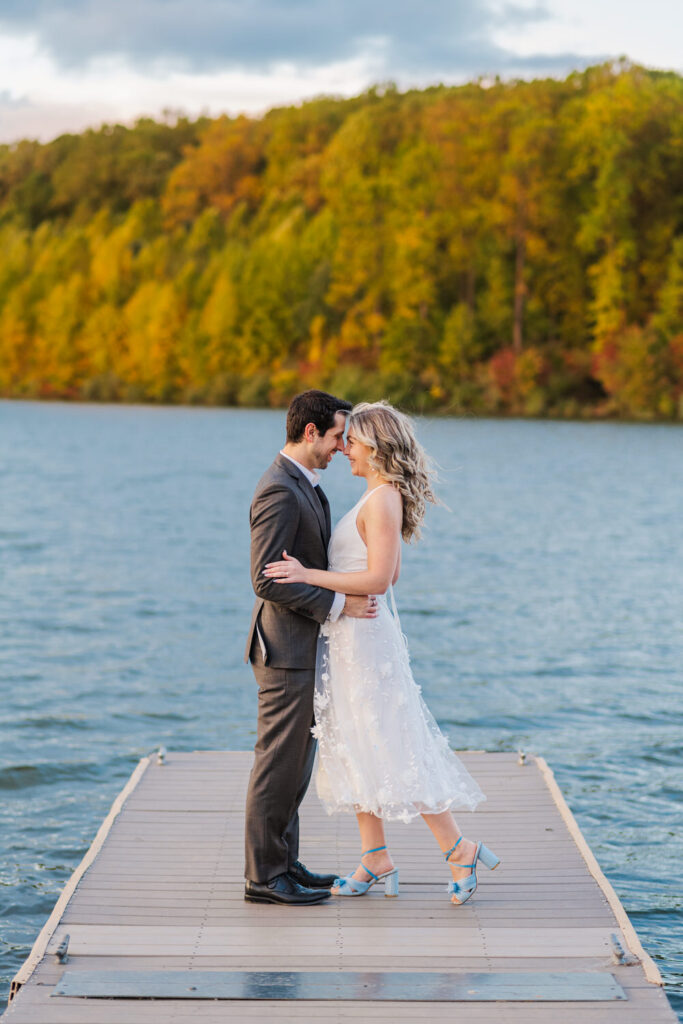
309 491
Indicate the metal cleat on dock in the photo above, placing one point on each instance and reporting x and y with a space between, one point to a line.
61 952
619 954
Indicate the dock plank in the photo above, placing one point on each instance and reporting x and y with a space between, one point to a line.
163 890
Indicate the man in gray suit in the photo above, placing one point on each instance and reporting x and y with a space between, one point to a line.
290 513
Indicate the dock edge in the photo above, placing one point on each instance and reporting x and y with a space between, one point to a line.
41 943
650 969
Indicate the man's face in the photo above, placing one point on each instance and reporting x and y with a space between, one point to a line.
325 445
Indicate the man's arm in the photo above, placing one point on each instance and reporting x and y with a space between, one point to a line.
275 517
337 607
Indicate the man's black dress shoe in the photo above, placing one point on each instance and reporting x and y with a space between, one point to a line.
283 889
308 878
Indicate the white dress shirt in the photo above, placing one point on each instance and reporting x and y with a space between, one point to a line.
314 479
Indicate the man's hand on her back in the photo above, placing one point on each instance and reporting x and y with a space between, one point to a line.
360 607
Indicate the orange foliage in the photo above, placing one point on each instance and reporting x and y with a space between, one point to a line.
223 170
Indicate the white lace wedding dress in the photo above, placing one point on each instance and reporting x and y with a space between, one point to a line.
380 749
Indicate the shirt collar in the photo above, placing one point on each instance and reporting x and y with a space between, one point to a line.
310 474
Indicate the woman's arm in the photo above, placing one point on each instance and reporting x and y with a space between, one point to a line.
382 522
397 571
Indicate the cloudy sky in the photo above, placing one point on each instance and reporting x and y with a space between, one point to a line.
67 64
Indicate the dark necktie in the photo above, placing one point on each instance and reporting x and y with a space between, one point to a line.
322 497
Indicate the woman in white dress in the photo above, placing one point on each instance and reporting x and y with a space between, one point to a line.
381 753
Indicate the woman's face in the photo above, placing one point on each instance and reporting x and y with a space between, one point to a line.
358 455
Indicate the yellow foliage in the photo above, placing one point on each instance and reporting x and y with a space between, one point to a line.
513 248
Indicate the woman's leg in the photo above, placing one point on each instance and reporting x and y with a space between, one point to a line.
446 832
372 836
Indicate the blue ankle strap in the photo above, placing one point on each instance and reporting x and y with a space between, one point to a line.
453 849
371 873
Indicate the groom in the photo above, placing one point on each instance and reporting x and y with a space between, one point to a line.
290 513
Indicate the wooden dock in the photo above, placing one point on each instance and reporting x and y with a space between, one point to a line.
156 907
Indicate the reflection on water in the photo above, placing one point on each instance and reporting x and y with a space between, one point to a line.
543 609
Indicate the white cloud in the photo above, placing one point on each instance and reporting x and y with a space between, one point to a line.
215 34
191 57
45 100
648 34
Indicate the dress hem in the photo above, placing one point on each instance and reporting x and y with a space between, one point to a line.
406 816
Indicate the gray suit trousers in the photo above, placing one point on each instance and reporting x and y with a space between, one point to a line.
283 762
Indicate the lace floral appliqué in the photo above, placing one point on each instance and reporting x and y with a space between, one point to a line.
380 749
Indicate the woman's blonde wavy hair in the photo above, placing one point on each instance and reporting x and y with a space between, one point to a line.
398 457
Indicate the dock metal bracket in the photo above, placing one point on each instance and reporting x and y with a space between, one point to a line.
62 950
619 954
385 986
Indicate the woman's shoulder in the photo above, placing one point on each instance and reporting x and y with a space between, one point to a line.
383 499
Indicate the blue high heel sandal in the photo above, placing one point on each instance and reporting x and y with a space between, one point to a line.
350 886
466 887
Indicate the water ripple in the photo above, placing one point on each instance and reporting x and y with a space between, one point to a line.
542 607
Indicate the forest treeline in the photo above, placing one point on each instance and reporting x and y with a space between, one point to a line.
493 248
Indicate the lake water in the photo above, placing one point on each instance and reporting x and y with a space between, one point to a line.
544 609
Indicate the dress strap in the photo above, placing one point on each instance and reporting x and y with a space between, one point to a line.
361 502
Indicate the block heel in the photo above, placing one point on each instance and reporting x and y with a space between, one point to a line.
488 858
390 883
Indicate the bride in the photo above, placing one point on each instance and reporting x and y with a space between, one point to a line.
381 753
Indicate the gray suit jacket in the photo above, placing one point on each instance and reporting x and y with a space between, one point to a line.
286 514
